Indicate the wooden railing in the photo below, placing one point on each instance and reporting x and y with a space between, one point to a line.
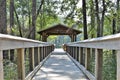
77 49
19 44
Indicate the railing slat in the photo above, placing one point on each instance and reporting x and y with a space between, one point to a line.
87 58
21 65
38 54
118 65
98 64
1 65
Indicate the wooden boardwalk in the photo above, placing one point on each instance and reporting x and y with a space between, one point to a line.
59 67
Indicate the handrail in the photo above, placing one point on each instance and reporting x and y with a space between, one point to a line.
101 42
8 42
111 42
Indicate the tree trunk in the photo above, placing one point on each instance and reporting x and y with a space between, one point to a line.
102 18
33 27
18 21
3 17
118 16
11 15
114 25
84 19
92 30
97 18
11 25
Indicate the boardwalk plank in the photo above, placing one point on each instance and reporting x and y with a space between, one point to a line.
59 67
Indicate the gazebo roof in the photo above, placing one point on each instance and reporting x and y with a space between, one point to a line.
59 29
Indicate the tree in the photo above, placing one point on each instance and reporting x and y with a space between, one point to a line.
84 19
97 18
3 17
92 17
33 27
11 16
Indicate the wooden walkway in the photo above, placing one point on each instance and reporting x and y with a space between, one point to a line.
59 67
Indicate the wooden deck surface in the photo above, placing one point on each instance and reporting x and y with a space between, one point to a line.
59 67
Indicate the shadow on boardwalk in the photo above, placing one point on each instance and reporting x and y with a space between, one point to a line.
59 67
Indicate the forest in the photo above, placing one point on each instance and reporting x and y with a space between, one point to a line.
95 18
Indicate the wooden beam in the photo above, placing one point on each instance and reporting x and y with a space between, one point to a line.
1 66
21 65
98 64
118 65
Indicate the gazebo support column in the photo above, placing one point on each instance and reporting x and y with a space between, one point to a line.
73 38
44 38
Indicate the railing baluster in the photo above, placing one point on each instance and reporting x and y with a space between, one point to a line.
77 53
1 65
81 52
118 64
42 53
31 58
80 55
98 64
21 65
38 55
87 58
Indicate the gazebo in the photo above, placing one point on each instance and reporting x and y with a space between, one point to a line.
59 29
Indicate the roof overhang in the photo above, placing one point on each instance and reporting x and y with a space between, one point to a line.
59 29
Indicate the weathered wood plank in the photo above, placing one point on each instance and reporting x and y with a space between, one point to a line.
87 58
21 65
38 55
118 65
101 42
80 55
1 66
33 60
98 64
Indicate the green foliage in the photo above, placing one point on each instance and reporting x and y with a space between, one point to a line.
66 12
27 62
109 65
10 70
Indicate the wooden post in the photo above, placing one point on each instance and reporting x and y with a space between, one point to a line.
1 66
69 50
31 58
98 64
21 65
45 51
78 54
87 58
118 65
72 51
81 56
38 55
42 52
